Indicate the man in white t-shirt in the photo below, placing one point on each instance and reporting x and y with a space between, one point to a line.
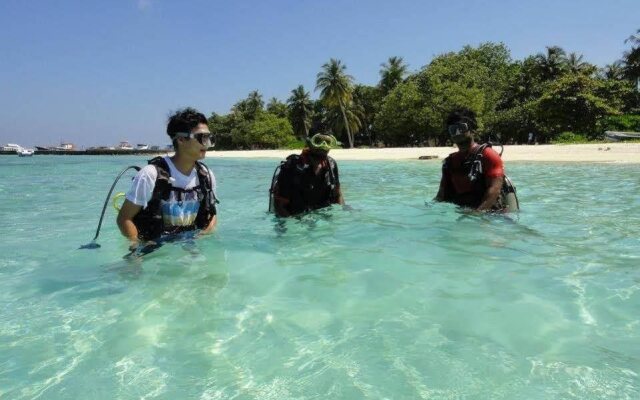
173 194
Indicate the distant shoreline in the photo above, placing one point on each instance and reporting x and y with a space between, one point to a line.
592 152
92 152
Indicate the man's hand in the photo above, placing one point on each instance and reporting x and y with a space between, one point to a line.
491 195
125 220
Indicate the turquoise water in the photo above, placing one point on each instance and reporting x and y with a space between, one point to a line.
396 300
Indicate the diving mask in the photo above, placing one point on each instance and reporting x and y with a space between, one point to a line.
324 142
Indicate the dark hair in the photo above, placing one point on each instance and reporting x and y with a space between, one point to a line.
463 114
183 121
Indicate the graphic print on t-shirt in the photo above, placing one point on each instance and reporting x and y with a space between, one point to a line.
180 209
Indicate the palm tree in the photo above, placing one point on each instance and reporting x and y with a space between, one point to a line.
576 64
255 104
392 73
355 116
336 90
614 71
250 107
631 59
635 38
552 64
276 107
300 110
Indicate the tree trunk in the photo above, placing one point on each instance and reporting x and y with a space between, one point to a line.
346 125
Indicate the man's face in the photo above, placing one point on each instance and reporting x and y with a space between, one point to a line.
318 154
459 132
196 146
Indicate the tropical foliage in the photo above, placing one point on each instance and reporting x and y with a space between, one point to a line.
300 111
392 74
555 94
336 93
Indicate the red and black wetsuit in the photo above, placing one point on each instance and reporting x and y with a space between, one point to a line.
456 181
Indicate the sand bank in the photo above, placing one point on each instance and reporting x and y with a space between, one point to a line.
602 152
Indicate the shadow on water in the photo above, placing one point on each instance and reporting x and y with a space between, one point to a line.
81 278
131 265
308 220
510 219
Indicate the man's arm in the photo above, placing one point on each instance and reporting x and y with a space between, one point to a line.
491 195
279 204
440 194
282 192
138 195
211 226
339 197
336 176
125 221
494 176
214 220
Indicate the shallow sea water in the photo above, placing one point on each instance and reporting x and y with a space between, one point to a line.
398 299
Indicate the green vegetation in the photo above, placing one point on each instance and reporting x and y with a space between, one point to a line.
570 137
557 96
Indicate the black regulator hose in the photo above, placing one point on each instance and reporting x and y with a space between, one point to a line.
93 244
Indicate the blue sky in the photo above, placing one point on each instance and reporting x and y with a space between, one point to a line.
98 72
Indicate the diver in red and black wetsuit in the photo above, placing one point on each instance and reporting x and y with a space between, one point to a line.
474 176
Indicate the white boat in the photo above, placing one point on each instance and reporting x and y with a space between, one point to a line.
12 147
25 153
124 146
65 147
618 136
142 146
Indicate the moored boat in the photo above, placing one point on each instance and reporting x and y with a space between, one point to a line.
12 147
25 153
619 136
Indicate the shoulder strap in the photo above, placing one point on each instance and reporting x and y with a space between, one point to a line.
446 164
205 181
480 150
475 161
163 184
292 159
164 172
332 169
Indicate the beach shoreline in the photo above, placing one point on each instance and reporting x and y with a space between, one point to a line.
592 153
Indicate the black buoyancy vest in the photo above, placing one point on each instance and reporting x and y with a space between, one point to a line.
300 201
149 221
472 167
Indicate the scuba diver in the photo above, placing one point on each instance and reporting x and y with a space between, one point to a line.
308 181
474 175
173 194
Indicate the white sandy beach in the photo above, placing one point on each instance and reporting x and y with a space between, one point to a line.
600 152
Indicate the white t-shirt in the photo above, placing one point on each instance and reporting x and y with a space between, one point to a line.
180 209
